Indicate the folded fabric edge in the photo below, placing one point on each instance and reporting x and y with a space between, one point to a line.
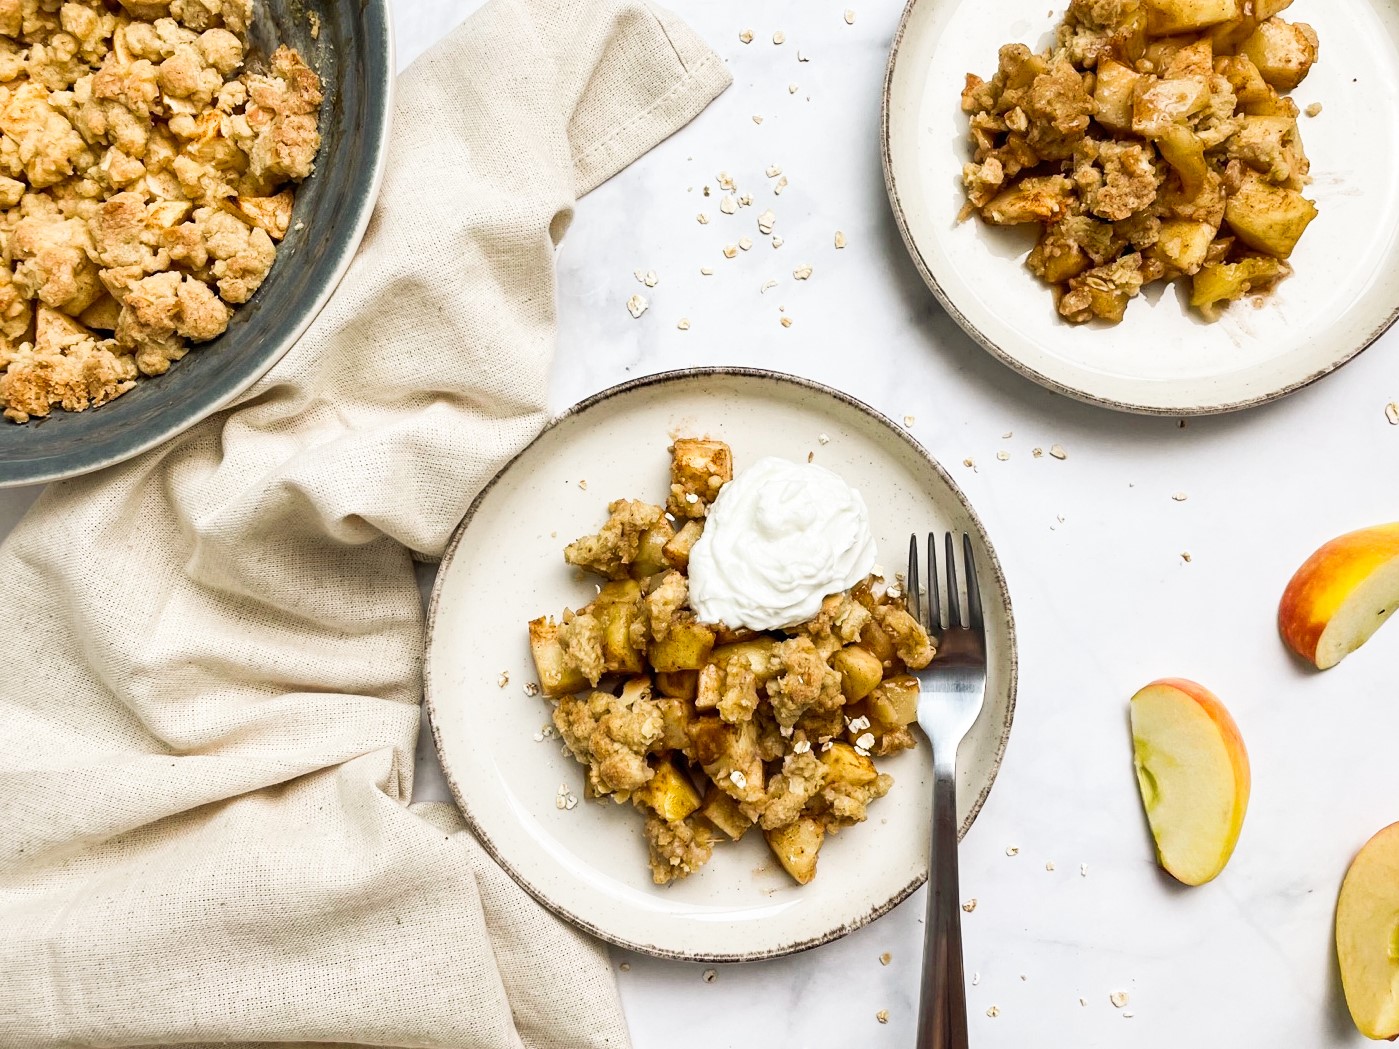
686 99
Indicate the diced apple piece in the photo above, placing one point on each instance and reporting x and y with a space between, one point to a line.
860 671
1245 81
1044 199
846 765
556 677
1284 52
1114 91
1367 931
1342 594
1184 246
796 846
1193 61
1183 150
895 701
1269 218
1055 260
1162 104
678 684
1165 17
722 811
757 654
698 469
677 551
669 793
875 638
650 554
618 608
1218 282
1193 772
686 647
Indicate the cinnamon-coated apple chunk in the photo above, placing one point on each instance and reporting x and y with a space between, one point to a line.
1341 595
1193 772
1367 936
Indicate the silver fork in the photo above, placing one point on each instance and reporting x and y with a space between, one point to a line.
953 689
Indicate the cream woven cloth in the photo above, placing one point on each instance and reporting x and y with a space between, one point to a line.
209 685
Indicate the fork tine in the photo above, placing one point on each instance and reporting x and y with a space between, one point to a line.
974 619
916 605
954 605
934 598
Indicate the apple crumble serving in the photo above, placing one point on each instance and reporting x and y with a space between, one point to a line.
710 731
145 180
1154 142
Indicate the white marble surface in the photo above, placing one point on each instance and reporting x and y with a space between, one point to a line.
1092 547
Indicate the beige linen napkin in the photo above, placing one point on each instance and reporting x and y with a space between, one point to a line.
210 679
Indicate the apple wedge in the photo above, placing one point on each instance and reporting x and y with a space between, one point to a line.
1367 936
1193 773
1342 595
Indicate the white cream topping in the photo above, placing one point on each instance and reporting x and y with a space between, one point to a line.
780 537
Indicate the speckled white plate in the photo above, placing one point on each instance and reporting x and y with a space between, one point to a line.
505 566
1162 359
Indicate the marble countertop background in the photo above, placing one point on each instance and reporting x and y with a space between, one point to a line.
1094 548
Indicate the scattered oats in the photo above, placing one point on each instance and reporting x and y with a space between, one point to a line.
811 457
1012 850
1083 1002
802 272
1023 977
683 324
777 241
970 905
1003 456
570 803
1007 435
1037 453
1049 866
746 36
994 1011
725 180
803 58
895 592
745 242
840 239
878 570
706 271
745 201
625 967
728 205
636 306
791 89
766 221
801 746
766 285
504 679
882 1016
976 979
538 737
1057 450
1118 999
710 975
1180 497
849 16
785 730
1185 556
909 420
730 250
757 118
780 185
969 463
1083 870
773 171
691 498
640 276
822 438
779 37
299 226
857 724
786 322
1314 110
706 191
885 958
738 779
702 219
1128 1015
865 742
1391 412
583 485
826 746
531 688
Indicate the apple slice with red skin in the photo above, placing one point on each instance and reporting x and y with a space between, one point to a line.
1341 595
1367 936
1193 772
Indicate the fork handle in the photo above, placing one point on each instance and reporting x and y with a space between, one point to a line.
942 1014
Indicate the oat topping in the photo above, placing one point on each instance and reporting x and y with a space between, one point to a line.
777 241
1003 455
730 251
1180 497
785 321
1012 850
1118 999
909 420
840 239
503 679
882 1016
993 1012
1391 412
1057 450
745 243
1314 110
767 286
849 16
802 272
766 221
757 118
636 306
773 171
885 958
746 36
728 205
970 905
779 37
683 324
702 219
780 185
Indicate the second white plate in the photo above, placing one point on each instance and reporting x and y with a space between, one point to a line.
1163 359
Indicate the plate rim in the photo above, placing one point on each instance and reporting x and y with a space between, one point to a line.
666 378
1014 363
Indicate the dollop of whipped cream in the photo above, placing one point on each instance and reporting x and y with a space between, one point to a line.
780 537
